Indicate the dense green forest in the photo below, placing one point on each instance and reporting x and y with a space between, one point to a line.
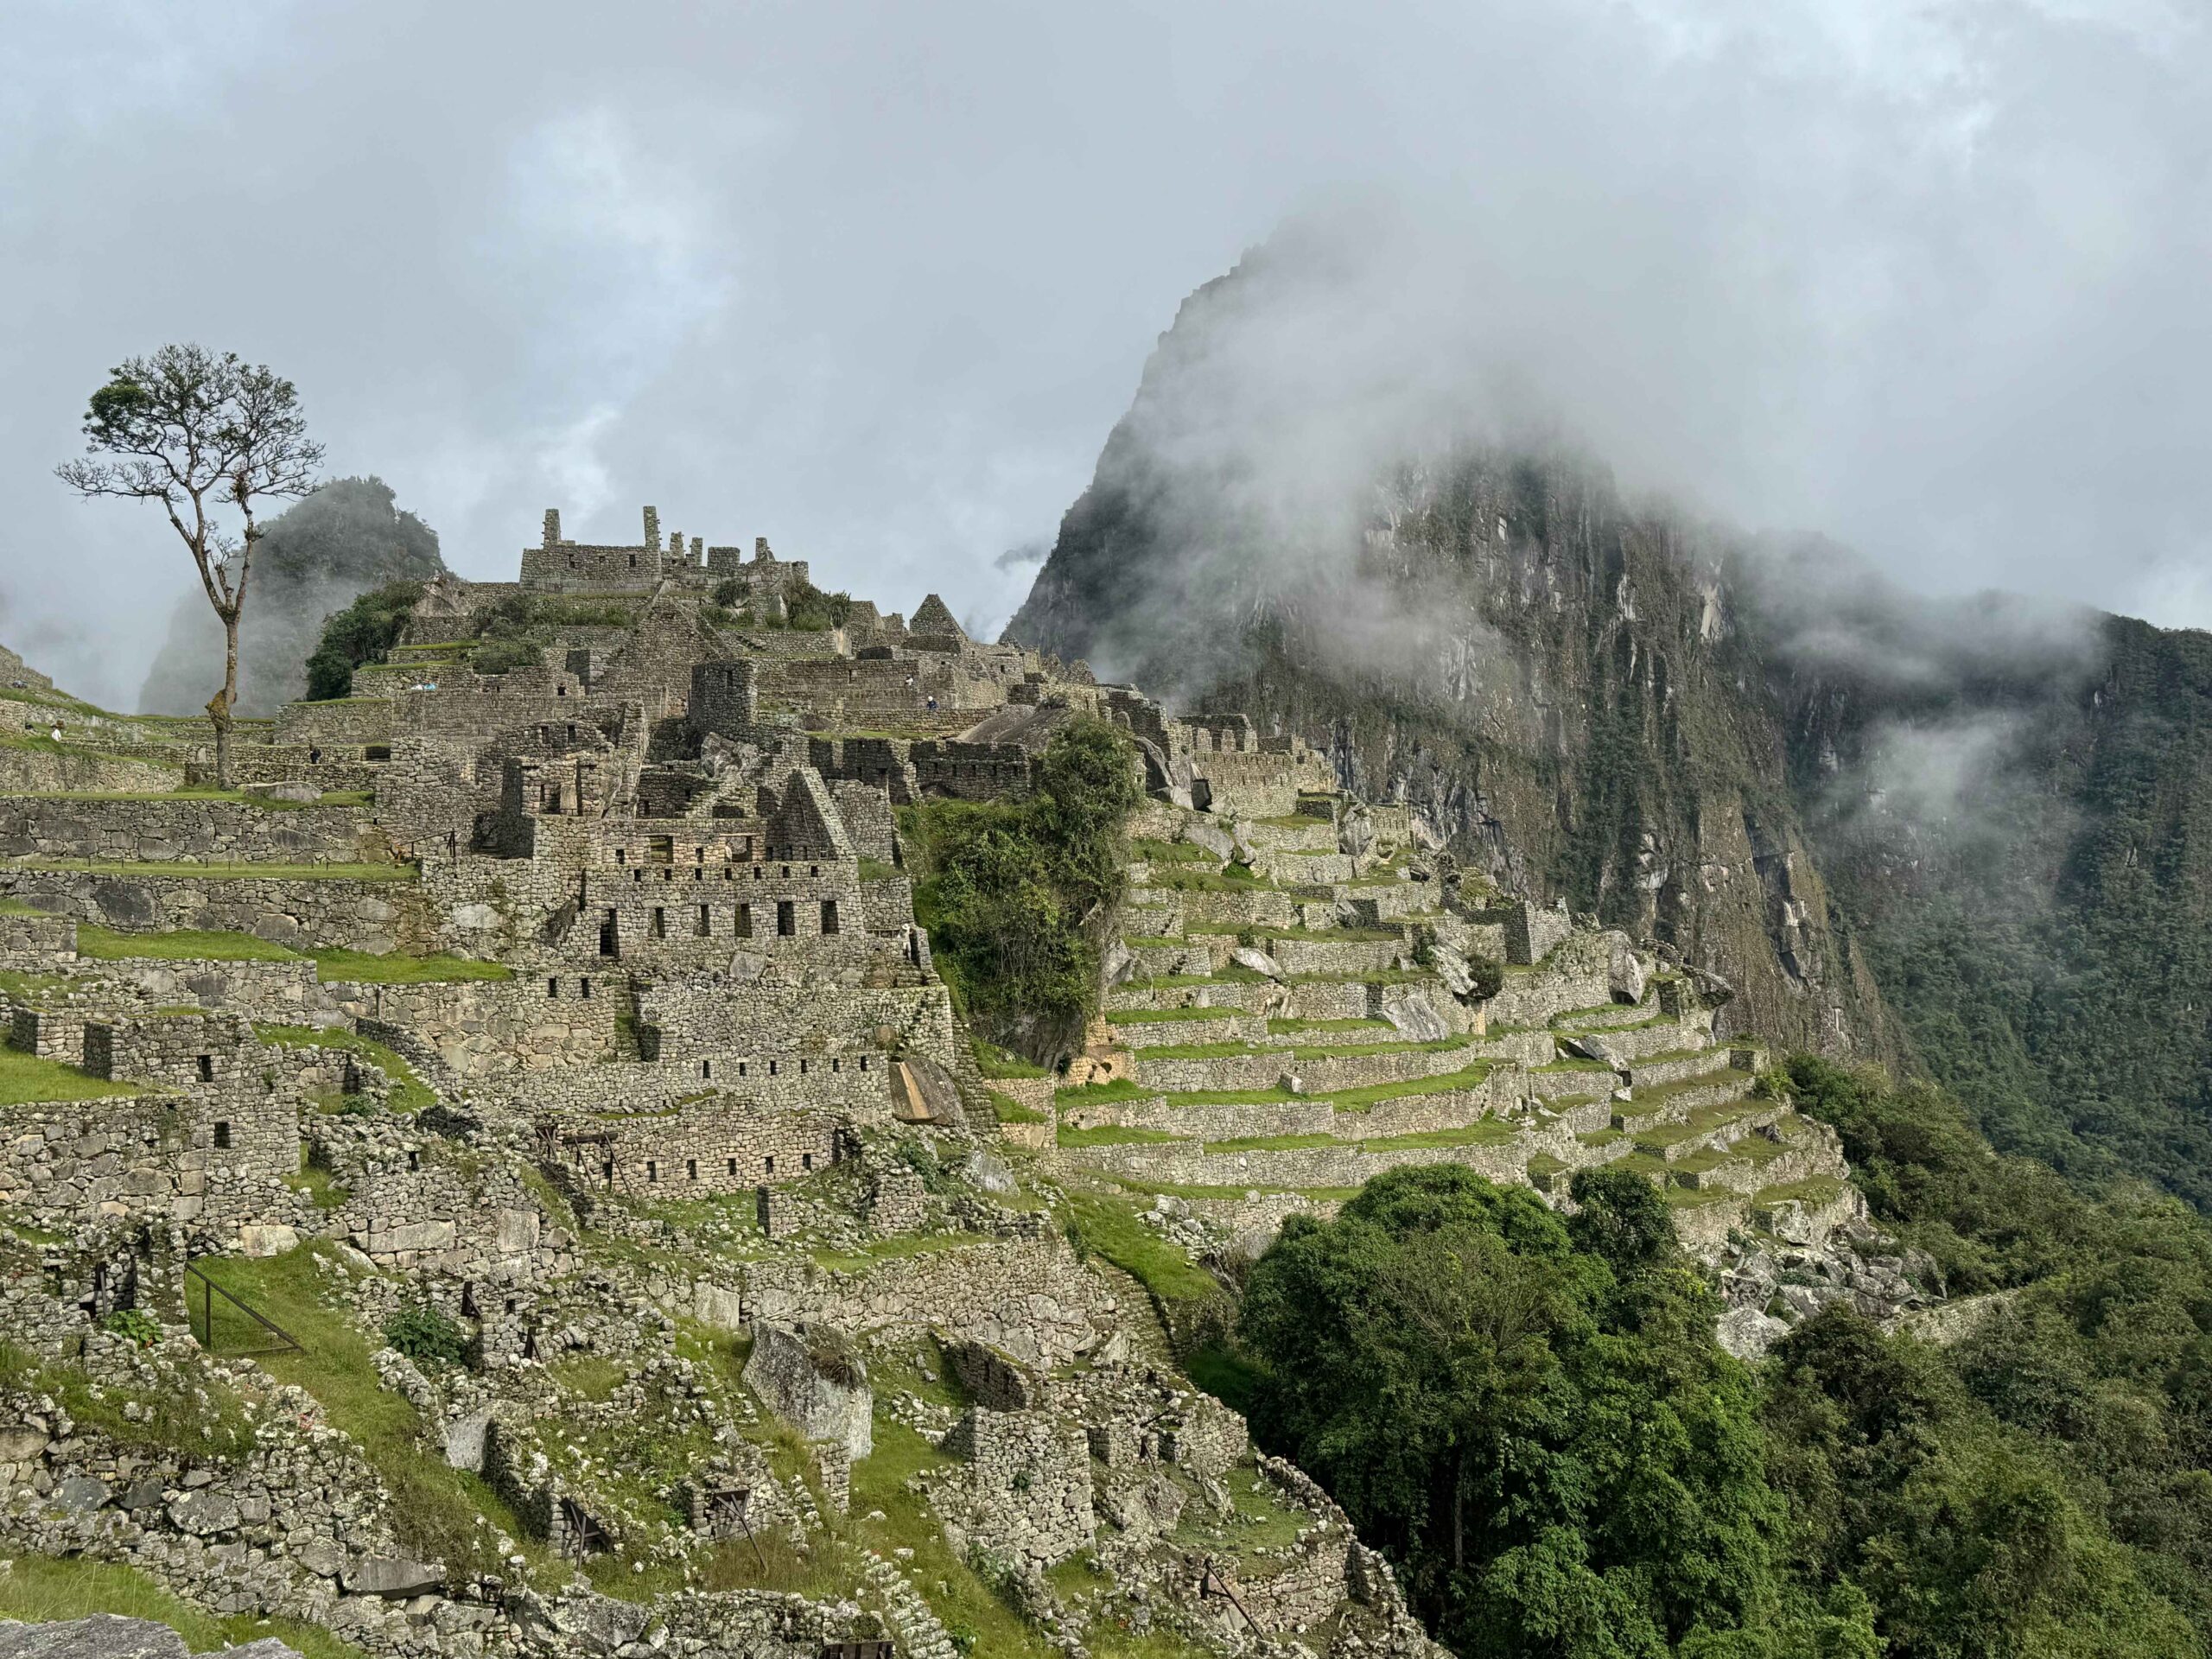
2046 945
1532 1417
1016 894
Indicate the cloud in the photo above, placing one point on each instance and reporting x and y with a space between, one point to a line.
876 280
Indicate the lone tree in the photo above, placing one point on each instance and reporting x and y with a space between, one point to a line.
206 436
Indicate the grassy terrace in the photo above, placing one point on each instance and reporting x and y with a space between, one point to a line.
1325 935
1168 1016
101 943
1485 1132
225 871
25 1077
39 1589
435 1514
409 1092
1344 1100
1108 1227
1300 1052
1201 1190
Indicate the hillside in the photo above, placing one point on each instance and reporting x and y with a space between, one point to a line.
1956 838
347 537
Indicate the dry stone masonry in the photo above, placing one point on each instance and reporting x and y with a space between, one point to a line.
511 1181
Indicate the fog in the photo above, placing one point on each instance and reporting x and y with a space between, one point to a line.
875 281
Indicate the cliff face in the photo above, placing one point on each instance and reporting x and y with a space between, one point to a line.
1563 687
1965 837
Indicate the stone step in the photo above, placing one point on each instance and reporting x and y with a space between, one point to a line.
1305 836
1139 1315
1578 1078
1604 1015
1622 1047
1673 1102
1315 1074
1229 1025
1673 1066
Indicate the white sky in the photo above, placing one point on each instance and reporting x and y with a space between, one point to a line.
874 280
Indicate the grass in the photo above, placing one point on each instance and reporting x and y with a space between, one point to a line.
228 872
1168 1016
1171 852
1227 1051
170 1417
1272 1143
1355 1100
1108 1227
997 1063
364 968
40 1589
409 1092
1487 1132
1227 1374
25 1077
440 1513
1291 1027
215 944
884 1480
1091 1093
185 945
1113 1135
1010 1110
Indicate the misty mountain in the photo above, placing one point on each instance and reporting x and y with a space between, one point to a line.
1960 836
346 538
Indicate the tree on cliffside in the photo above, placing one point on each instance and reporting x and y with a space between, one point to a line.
206 436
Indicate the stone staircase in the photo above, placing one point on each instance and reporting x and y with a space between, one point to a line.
919 1633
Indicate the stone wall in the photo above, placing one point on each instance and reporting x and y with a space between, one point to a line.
1023 1489
480 1028
705 1148
283 993
376 915
1029 1297
33 942
217 831
39 769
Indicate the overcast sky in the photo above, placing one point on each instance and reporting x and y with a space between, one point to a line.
874 281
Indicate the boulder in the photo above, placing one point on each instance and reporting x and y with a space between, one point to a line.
922 1091
1212 837
1119 966
465 1440
984 1170
103 1635
266 1239
1414 1017
1748 1332
393 1577
204 1513
1355 832
1258 960
1623 971
1453 971
811 1376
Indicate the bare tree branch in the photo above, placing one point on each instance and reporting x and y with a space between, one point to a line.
188 426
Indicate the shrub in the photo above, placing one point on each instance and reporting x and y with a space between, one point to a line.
1488 973
425 1334
365 631
133 1324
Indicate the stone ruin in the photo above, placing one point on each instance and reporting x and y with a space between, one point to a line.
579 1012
